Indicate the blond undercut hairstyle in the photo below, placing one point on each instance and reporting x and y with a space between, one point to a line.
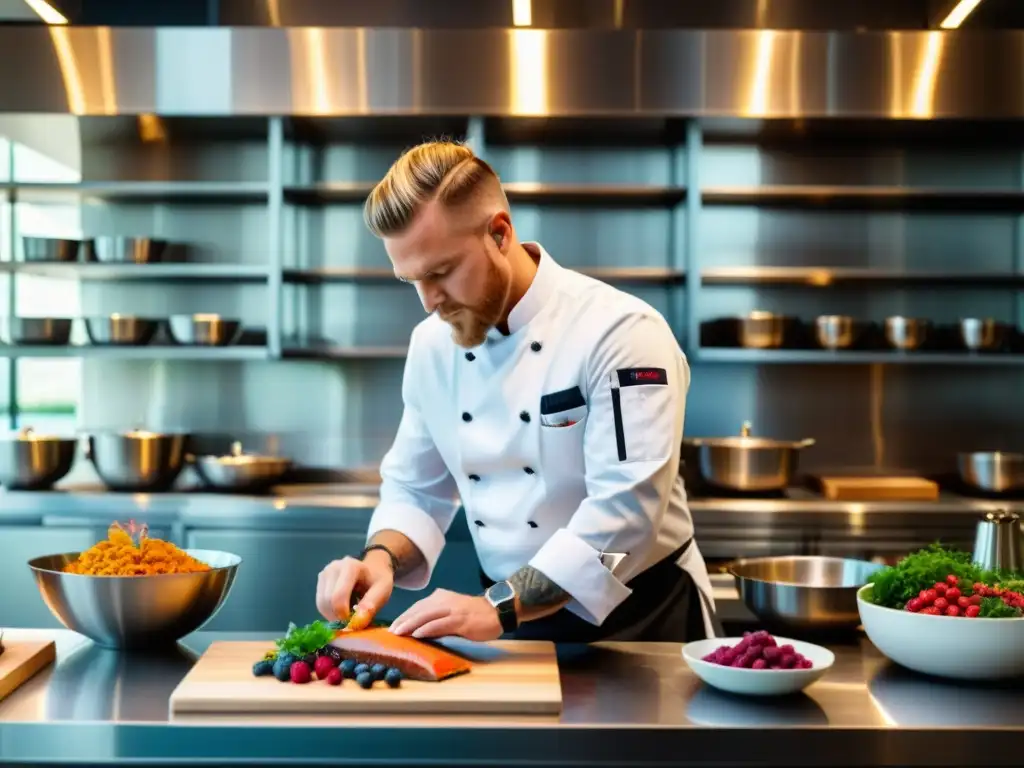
445 171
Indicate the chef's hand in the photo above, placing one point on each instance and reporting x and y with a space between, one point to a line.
348 578
447 613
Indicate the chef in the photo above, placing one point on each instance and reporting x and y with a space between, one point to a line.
552 405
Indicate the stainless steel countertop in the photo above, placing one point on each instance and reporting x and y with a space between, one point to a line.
624 704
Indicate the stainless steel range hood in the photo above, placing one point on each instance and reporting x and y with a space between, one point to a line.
372 71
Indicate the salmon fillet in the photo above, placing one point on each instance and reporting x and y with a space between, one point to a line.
416 659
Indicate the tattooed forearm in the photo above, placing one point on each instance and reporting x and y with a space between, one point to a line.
408 554
537 596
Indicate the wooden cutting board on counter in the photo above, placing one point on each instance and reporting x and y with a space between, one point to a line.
507 677
21 660
870 488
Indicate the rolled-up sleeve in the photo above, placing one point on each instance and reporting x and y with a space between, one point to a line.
417 492
637 382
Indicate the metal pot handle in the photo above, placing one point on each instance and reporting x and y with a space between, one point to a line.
807 442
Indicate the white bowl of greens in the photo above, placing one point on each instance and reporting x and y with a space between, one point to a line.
913 613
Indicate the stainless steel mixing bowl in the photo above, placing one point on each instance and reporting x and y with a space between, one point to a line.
906 333
992 471
802 593
204 330
137 461
983 334
122 329
42 331
126 250
135 611
50 249
240 471
33 462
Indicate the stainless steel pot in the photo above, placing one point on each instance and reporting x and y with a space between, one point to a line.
992 471
51 249
802 593
126 250
137 461
41 331
33 462
835 331
982 334
905 333
762 330
122 329
746 463
240 471
205 330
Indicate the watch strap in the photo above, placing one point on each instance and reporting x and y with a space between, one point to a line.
506 609
382 548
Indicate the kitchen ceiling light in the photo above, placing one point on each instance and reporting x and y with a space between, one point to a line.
959 13
46 12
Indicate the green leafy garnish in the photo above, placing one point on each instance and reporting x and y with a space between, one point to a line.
892 587
302 641
995 608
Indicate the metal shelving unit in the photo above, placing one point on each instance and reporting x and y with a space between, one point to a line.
686 211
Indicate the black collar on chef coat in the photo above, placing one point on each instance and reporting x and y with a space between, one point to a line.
541 290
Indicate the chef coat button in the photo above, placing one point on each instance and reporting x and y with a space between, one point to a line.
470 356
532 524
524 416
479 522
535 346
475 478
528 470
467 417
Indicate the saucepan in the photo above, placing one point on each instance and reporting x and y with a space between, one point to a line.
992 471
745 463
240 471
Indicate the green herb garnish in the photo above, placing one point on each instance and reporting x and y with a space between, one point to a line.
995 608
893 587
302 641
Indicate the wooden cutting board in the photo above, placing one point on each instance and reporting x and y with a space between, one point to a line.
878 488
21 660
508 677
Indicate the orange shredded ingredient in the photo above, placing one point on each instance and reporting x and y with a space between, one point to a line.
130 552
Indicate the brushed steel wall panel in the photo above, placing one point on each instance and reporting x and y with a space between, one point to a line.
357 71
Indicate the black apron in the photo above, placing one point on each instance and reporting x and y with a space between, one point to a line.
665 606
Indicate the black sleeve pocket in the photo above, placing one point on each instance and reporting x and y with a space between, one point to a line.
564 400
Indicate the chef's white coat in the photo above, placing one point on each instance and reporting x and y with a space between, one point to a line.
526 430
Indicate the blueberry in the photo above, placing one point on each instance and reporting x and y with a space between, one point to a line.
393 677
360 668
282 670
378 671
348 668
262 667
287 658
365 680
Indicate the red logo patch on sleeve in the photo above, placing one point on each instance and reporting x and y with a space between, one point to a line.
631 377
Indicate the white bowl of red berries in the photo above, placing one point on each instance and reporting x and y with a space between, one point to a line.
757 664
935 600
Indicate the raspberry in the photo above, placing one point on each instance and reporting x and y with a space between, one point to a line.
323 666
972 611
940 588
941 603
759 664
915 604
952 580
963 601
952 610
334 676
300 672
928 596
953 594
931 610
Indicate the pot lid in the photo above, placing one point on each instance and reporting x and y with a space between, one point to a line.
745 441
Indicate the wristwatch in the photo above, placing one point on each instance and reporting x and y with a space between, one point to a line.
503 597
